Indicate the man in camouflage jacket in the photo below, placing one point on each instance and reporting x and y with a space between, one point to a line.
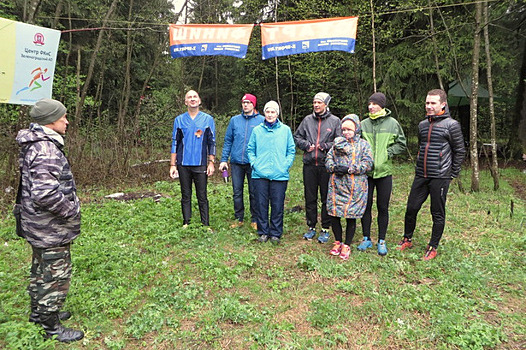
50 215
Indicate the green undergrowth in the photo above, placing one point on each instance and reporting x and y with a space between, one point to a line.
142 281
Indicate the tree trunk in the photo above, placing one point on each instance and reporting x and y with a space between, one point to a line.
435 48
183 8
291 96
126 86
216 71
89 76
79 65
277 85
276 65
143 91
473 133
202 74
75 149
58 11
29 16
455 63
517 141
374 46
68 55
494 161
102 118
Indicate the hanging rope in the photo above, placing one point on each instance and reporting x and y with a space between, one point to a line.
364 14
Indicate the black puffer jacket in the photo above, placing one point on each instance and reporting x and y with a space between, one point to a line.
441 147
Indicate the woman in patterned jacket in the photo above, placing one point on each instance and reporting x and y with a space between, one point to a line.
348 161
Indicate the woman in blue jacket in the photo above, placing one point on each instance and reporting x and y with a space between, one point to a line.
271 153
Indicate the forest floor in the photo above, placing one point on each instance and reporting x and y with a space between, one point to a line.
141 281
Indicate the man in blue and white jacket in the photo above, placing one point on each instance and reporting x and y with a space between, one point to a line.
235 146
193 156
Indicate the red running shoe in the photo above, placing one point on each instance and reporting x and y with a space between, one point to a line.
404 244
336 248
346 251
430 253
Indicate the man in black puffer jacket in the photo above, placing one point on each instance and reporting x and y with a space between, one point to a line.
440 155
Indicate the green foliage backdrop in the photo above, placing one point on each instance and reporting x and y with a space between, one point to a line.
123 90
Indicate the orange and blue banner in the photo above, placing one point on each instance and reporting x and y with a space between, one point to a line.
28 55
289 38
209 39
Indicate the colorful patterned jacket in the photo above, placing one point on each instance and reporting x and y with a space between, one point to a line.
347 195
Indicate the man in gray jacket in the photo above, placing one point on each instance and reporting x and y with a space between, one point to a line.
315 137
50 215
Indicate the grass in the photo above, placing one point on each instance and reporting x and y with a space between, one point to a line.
141 281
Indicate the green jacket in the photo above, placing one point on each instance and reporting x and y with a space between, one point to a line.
386 137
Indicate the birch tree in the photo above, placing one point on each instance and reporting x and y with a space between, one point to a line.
473 132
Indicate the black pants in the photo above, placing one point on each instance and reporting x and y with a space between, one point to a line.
384 187
314 178
197 175
420 190
349 230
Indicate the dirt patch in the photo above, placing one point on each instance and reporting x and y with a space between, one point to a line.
520 188
516 183
484 164
131 196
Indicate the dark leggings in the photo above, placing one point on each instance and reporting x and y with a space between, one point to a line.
420 190
384 187
349 230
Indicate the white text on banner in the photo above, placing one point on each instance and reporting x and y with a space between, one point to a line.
209 39
289 38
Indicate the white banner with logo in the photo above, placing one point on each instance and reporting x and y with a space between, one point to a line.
28 55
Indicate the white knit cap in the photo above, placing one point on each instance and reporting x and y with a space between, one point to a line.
271 105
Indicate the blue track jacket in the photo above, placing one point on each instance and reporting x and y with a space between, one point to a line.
237 137
193 139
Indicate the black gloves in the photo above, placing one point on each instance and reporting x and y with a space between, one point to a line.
341 170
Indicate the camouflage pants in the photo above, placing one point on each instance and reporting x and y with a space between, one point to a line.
50 278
